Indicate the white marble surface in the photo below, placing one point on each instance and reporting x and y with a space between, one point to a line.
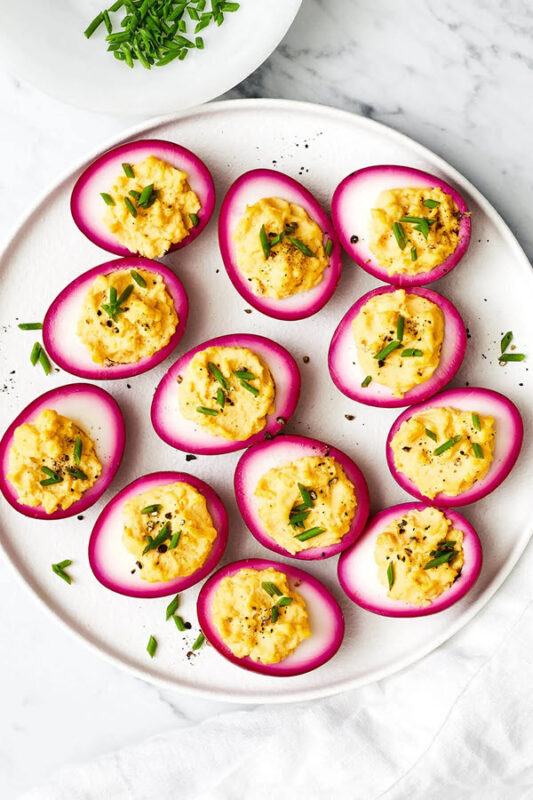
456 76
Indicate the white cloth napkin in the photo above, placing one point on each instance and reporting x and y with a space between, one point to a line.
458 724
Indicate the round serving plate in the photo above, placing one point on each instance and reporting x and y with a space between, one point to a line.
492 288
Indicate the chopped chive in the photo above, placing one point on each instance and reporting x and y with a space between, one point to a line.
296 519
162 536
429 203
180 624
200 639
399 235
443 558
367 381
44 361
245 375
478 450
306 496
138 278
146 195
172 607
49 472
174 540
135 194
59 570
78 449
284 601
476 422
390 575
328 247
271 589
414 254
151 647
221 398
416 220
506 341
51 481
265 244
387 350
400 328
217 375
78 473
30 326
431 434
153 509
412 352
199 42
129 205
90 29
35 353
447 445
209 412
125 294
302 247
195 219
310 534
249 388
512 357
128 170
107 21
274 614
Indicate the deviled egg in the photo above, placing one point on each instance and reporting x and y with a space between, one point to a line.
301 497
146 197
62 451
226 394
159 535
116 320
400 224
395 347
411 560
278 245
270 618
456 447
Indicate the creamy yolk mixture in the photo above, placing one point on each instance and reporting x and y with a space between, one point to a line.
306 503
173 525
243 615
164 220
426 236
227 390
419 556
126 332
444 450
52 462
295 258
413 321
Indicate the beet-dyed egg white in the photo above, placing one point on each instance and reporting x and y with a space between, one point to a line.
190 436
325 619
280 452
490 441
358 571
351 378
357 195
114 565
249 189
98 416
88 206
60 327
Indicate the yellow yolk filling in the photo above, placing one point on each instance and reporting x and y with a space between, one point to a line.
376 326
50 441
143 324
330 506
419 556
286 270
227 390
242 614
418 448
176 513
167 221
421 250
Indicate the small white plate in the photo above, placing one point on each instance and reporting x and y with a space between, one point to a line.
492 288
43 43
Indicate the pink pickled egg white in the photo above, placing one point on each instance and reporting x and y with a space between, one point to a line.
358 571
508 440
88 207
112 563
357 195
275 453
248 189
186 435
348 375
99 416
60 323
325 618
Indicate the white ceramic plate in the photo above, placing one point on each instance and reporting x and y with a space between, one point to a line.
493 288
43 43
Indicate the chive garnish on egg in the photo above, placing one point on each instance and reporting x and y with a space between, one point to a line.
431 434
153 509
301 246
310 534
414 254
328 247
108 200
399 235
52 477
78 449
59 570
443 558
306 496
447 445
271 589
129 205
138 278
162 536
128 170
274 614
174 541
209 412
367 381
265 244
221 398
77 473
217 375
195 220
478 450
30 326
151 647
387 350
429 203
147 196
476 422
390 575
172 607
412 352
400 325
198 642
284 601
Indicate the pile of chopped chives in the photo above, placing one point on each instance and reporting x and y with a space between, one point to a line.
155 32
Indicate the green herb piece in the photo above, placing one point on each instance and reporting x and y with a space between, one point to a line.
367 381
429 203
128 170
35 353
44 361
179 623
271 589
174 541
245 375
209 412
443 558
153 509
129 205
90 29
414 254
431 434
399 235
30 326
506 341
310 534
200 639
113 308
274 614
447 445
172 607
195 220
217 375
478 450
306 496
284 601
410 220
390 575
135 194
107 21
412 352
162 536
302 247
151 647
78 449
387 350
297 518
400 325
328 247
59 570
52 477
265 244
199 42
221 398
77 473
249 388
145 197
512 357
138 278
476 422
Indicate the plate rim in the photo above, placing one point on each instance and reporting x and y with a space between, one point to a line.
323 111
